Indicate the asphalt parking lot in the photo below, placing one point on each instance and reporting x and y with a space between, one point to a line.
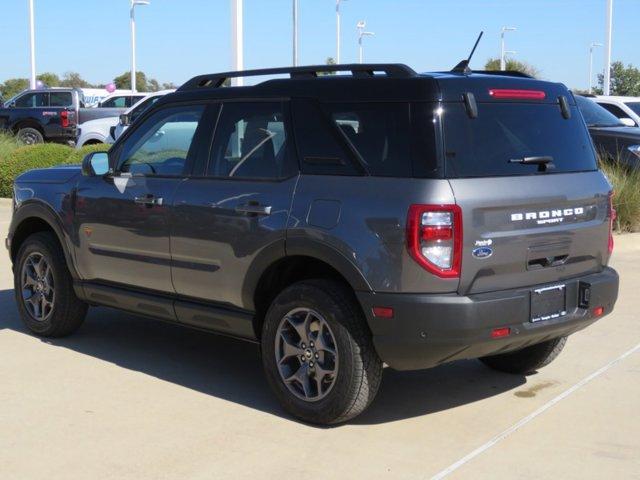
130 398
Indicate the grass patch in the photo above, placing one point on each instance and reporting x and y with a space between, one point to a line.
626 201
8 143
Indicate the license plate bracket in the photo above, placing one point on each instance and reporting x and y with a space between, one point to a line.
548 303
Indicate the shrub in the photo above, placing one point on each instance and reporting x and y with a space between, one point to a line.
27 158
77 155
626 201
8 143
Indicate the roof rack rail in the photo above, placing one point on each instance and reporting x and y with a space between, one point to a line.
215 80
505 73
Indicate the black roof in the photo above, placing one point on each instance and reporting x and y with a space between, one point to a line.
365 82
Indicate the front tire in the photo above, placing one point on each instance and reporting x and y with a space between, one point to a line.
528 360
43 288
317 353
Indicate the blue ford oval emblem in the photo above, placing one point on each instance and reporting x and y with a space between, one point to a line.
482 252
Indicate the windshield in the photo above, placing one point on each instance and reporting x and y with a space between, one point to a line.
635 106
596 116
503 135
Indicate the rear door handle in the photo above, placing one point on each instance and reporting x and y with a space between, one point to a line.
148 200
251 209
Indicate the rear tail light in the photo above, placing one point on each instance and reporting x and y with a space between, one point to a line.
64 119
517 94
434 238
612 218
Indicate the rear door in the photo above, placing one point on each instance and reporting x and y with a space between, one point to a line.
525 224
235 212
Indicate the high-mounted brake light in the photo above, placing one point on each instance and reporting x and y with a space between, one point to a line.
517 94
612 218
434 238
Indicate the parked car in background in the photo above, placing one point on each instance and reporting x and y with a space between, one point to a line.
119 100
627 109
95 131
257 212
612 138
108 129
50 115
130 116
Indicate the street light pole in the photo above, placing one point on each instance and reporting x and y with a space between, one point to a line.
362 33
607 50
338 30
503 62
295 33
591 47
32 81
133 40
237 48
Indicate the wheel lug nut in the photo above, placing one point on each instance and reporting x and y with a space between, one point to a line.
304 346
317 356
311 364
311 344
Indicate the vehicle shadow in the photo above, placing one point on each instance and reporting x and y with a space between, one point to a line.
231 369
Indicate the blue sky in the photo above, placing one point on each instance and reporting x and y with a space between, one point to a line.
181 38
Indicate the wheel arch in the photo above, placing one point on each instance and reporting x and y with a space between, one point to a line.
37 217
303 261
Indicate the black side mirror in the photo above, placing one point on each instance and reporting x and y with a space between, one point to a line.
125 119
95 164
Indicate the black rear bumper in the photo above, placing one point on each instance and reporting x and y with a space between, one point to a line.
427 330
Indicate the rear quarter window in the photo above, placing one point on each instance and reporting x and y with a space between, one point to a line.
484 146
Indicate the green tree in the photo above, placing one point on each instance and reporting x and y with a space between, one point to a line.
74 80
625 81
12 87
169 86
49 79
124 81
513 65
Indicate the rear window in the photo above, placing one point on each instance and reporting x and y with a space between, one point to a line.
484 146
60 99
635 106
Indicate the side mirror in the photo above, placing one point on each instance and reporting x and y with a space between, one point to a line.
628 122
95 164
125 120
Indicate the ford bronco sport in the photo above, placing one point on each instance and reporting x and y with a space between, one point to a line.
341 221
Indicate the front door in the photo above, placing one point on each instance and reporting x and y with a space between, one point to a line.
234 217
122 220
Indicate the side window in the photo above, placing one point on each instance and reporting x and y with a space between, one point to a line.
321 149
162 143
251 142
379 132
116 102
60 99
33 99
617 111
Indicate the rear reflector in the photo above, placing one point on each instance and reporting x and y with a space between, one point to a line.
500 332
598 311
519 94
383 312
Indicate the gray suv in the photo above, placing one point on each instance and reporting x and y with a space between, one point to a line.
340 221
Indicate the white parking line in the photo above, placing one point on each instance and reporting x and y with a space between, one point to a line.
501 436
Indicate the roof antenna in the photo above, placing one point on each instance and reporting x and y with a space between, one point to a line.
463 66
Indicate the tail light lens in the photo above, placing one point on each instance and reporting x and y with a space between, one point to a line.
434 238
612 218
64 119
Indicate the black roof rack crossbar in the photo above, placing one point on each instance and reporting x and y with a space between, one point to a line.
396 70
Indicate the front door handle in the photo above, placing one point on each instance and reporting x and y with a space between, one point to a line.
254 209
148 200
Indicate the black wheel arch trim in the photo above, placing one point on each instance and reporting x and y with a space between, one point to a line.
42 211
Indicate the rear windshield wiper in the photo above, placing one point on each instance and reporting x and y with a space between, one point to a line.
544 163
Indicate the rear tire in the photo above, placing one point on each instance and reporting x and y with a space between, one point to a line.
528 360
30 136
350 375
43 288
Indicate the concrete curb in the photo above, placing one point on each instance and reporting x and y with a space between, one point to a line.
6 202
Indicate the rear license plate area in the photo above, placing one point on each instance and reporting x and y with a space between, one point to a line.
548 303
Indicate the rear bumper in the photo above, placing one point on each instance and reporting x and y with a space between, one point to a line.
427 330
